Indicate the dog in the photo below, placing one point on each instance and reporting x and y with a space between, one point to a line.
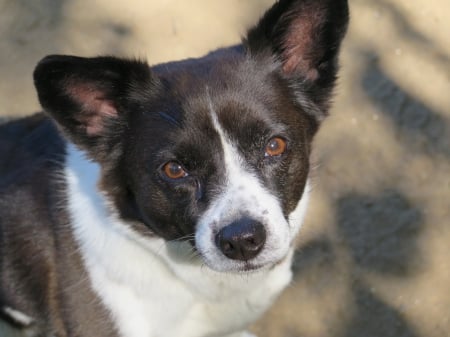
165 201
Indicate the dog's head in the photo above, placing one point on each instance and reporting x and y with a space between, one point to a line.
212 150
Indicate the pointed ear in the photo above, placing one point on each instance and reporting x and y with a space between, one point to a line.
90 97
304 35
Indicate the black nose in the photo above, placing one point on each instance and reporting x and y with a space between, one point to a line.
242 239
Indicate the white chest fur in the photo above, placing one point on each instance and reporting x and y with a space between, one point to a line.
155 288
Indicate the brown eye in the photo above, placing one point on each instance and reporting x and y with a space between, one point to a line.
275 147
174 170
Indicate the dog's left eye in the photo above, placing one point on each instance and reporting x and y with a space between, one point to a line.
174 170
275 147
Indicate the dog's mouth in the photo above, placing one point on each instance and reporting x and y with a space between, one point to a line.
253 267
243 267
226 265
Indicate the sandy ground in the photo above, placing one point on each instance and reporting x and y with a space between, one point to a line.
374 256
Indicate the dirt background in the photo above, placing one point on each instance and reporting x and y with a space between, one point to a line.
374 255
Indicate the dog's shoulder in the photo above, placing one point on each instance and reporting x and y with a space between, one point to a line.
40 264
29 152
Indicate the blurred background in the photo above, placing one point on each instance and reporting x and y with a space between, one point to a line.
374 254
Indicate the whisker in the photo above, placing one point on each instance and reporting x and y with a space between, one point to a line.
183 238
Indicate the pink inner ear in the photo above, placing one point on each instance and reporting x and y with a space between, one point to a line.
300 43
103 108
95 108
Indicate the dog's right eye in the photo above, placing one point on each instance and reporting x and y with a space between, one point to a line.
174 170
275 147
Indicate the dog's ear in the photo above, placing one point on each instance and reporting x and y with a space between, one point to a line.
304 36
91 97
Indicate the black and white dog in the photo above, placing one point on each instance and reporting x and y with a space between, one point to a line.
164 201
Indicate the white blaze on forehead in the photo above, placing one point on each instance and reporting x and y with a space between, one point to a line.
232 160
241 195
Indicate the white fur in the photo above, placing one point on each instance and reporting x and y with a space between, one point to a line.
155 288
17 316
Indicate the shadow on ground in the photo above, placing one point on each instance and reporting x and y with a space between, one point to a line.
418 127
375 243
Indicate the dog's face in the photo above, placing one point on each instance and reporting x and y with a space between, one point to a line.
213 150
222 159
